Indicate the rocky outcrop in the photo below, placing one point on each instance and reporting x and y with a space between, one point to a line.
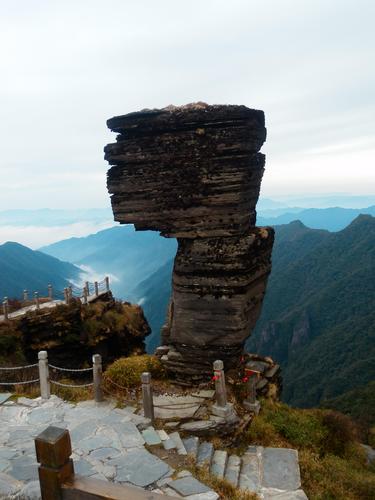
194 173
73 333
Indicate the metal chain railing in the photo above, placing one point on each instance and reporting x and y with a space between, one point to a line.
75 386
74 370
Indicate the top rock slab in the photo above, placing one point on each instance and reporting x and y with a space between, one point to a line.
191 172
188 117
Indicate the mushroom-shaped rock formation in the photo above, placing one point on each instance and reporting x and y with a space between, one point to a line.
193 173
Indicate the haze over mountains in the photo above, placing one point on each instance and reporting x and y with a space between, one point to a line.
318 318
22 268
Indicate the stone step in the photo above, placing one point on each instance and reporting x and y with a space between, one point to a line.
191 445
205 452
175 436
219 461
280 469
250 474
232 471
151 437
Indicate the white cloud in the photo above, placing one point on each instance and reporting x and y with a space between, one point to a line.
37 236
68 66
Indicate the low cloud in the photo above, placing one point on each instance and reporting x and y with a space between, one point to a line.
37 236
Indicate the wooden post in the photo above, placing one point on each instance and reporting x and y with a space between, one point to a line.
96 288
85 300
148 400
25 295
220 388
50 292
87 285
6 308
97 377
70 292
45 390
36 300
53 449
107 283
66 296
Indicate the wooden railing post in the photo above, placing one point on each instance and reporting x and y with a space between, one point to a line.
25 295
97 377
36 300
50 292
107 283
6 308
96 288
45 390
53 449
147 396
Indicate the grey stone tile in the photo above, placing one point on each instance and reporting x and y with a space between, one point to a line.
219 461
84 468
175 436
232 470
188 486
8 485
128 434
280 469
139 467
105 453
205 452
191 445
151 437
95 442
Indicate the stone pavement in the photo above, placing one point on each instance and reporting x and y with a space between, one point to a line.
107 444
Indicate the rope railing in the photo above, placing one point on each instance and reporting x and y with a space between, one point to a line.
45 381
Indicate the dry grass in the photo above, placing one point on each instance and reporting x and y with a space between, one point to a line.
333 465
223 488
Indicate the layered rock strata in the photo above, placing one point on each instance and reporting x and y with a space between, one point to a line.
194 173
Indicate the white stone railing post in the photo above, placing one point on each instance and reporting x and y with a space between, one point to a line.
251 403
66 296
36 300
25 295
147 396
87 286
107 283
96 289
97 377
50 292
45 390
70 292
221 408
85 299
220 388
6 308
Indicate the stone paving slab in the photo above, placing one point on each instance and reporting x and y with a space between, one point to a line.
151 437
106 444
273 494
168 407
188 486
280 469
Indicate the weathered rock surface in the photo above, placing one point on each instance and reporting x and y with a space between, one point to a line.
194 173
188 172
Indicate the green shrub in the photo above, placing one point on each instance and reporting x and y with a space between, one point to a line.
126 372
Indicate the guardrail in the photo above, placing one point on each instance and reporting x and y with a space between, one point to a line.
45 381
89 291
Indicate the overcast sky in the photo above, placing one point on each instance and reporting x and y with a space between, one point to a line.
68 65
